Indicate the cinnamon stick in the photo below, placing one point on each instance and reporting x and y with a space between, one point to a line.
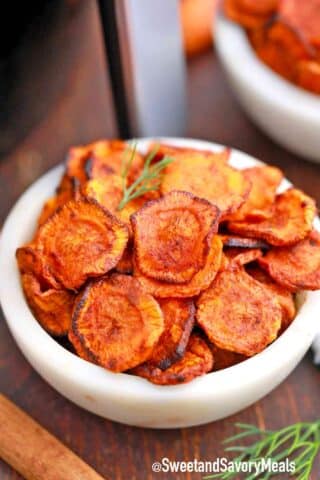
34 452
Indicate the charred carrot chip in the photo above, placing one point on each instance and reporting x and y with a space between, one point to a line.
30 261
240 12
80 241
224 358
197 361
52 308
172 236
238 256
238 314
296 267
265 180
291 222
199 282
235 241
117 322
217 182
64 193
308 75
282 294
178 317
79 349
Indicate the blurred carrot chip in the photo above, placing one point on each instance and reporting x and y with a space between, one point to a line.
282 294
292 220
209 177
308 75
199 282
197 361
238 314
250 13
52 308
172 236
179 320
303 17
117 322
80 241
295 267
258 206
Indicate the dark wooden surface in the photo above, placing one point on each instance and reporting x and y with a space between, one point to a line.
75 110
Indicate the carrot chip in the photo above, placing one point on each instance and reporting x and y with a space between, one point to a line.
81 241
238 314
235 241
292 220
52 308
296 267
224 358
172 236
117 322
239 256
64 193
197 361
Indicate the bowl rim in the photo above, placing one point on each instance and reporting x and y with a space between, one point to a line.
43 351
263 81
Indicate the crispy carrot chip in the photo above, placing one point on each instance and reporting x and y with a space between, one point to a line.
117 322
238 314
64 193
79 349
80 241
107 191
178 317
52 308
199 282
292 220
304 17
239 256
76 163
217 182
172 236
197 361
265 180
296 267
234 241
30 261
282 294
224 358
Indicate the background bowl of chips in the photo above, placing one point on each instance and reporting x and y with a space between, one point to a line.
288 114
126 398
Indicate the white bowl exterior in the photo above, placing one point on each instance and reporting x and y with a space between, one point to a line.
288 114
126 398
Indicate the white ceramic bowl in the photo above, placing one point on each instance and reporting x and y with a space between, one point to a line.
126 398
288 114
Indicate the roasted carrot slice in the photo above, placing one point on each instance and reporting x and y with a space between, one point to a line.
308 75
30 261
238 314
117 322
197 361
258 206
239 256
64 193
241 12
282 294
125 264
199 282
235 241
302 16
291 222
80 241
79 349
217 182
107 191
296 267
52 308
178 317
224 358
172 236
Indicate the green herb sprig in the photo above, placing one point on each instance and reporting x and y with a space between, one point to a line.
300 443
148 180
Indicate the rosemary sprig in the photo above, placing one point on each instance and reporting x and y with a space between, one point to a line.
300 443
148 180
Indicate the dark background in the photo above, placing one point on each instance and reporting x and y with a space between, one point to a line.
54 92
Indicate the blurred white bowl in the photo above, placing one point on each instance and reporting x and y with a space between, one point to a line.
126 398
288 114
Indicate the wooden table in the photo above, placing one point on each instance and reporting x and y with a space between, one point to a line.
118 451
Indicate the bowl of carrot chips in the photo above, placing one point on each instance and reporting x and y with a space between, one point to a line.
270 51
162 282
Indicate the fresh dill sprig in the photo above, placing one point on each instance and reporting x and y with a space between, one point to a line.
300 443
148 180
